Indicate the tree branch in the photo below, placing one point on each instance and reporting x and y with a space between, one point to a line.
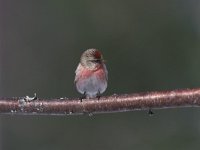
114 103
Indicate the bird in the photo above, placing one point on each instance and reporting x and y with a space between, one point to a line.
91 75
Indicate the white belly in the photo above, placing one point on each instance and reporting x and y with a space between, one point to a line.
92 86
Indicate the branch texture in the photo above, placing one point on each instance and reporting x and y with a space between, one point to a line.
114 103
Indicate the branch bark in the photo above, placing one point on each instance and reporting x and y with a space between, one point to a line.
114 103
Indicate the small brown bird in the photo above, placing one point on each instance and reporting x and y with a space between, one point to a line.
91 74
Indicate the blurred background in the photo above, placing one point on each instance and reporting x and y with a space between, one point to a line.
148 46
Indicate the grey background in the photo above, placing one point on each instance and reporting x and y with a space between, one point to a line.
148 45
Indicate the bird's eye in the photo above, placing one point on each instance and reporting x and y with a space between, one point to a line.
96 60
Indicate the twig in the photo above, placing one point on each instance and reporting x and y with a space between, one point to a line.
114 103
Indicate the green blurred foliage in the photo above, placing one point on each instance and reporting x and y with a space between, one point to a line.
148 45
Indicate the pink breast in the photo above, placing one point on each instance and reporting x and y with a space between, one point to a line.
100 73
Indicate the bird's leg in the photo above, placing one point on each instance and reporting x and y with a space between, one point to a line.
98 94
83 96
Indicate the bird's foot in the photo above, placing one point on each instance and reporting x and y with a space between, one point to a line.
98 96
83 97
